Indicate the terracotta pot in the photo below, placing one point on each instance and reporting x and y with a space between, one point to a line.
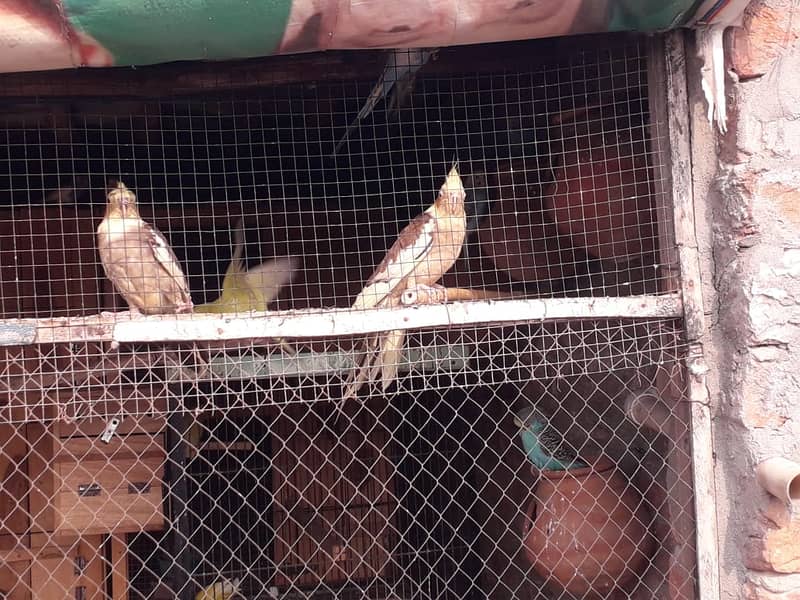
519 236
586 531
603 196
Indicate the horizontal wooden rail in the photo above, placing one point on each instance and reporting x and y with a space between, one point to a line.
315 323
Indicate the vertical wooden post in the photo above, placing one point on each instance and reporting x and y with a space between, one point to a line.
42 441
119 567
690 472
177 485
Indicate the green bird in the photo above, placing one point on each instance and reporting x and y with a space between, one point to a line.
245 290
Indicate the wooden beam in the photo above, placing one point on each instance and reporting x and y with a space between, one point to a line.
200 77
316 323
204 215
449 358
701 466
119 567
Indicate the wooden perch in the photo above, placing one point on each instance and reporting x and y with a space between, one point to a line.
422 296
317 323
569 116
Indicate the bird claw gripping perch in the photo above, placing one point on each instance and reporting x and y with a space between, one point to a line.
424 294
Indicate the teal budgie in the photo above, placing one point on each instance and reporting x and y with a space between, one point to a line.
545 446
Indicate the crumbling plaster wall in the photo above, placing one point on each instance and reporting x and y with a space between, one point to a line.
747 194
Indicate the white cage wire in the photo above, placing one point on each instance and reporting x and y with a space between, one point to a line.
154 456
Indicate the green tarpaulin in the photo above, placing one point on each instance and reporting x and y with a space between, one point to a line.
53 34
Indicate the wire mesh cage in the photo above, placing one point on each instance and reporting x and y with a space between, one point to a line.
504 418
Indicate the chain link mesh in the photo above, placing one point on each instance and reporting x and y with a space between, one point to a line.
511 459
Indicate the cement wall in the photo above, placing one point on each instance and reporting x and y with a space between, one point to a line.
747 192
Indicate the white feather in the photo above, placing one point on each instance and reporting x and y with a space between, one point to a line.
408 259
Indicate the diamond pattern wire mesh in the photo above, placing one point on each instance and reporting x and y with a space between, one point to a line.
154 470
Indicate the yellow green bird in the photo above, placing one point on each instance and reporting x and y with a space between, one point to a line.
223 589
246 290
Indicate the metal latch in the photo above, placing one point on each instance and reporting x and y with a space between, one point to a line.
88 489
139 487
110 430
80 565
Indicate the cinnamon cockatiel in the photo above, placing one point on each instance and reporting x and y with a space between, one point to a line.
424 251
138 259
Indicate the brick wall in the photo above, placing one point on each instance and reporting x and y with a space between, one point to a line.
747 187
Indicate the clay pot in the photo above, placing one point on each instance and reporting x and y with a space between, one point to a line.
603 196
519 236
586 531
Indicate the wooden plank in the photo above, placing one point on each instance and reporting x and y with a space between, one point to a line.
205 215
316 323
93 427
15 580
53 258
55 570
92 404
136 460
692 459
52 578
17 334
119 567
41 440
669 266
92 576
452 357
702 467
679 563
14 486
334 501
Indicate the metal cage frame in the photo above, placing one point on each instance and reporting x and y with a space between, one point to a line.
669 102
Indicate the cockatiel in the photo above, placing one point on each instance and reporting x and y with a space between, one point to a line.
395 83
424 251
544 446
250 290
223 589
138 259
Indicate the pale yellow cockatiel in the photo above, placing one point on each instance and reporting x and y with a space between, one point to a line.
424 251
138 259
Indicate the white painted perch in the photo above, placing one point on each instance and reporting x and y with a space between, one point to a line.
316 323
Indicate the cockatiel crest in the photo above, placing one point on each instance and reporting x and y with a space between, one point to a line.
138 260
424 251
